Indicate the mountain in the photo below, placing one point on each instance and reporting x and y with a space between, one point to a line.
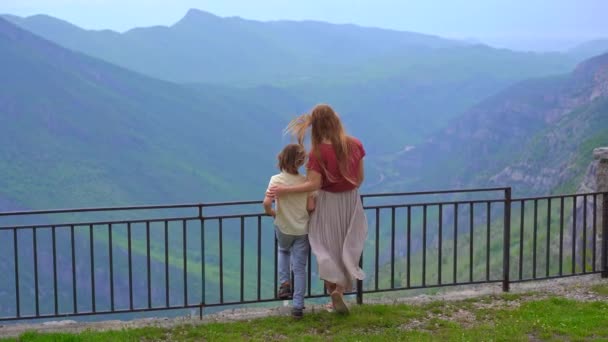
590 48
202 47
76 131
79 132
407 84
536 136
423 93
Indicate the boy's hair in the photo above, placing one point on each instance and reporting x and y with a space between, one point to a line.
291 158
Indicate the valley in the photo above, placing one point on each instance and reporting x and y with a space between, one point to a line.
195 112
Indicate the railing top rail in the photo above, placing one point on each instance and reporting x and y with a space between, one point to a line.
138 207
84 210
98 223
558 196
436 192
258 202
430 204
219 204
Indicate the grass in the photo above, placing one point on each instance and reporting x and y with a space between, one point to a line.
547 319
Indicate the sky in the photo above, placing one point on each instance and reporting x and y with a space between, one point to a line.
518 24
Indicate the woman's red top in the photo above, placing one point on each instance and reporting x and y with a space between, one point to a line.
333 180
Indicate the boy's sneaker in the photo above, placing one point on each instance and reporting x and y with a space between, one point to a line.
297 313
285 291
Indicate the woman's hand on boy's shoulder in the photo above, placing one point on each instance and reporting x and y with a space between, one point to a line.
275 191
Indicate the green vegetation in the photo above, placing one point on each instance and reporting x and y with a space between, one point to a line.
475 319
97 135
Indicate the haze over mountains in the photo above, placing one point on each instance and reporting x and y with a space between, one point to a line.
200 46
417 82
93 124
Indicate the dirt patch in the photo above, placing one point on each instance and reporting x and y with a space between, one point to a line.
498 304
464 317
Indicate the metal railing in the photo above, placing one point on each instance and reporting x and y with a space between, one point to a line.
94 261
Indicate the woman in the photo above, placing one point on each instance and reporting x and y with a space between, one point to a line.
338 227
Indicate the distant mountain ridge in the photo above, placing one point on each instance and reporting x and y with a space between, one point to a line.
201 42
203 47
590 48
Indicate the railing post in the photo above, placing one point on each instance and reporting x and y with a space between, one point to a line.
605 235
506 255
601 180
202 249
360 284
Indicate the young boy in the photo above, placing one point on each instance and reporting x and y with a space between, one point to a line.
291 226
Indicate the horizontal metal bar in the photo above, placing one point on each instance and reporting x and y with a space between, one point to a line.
91 313
269 300
193 306
100 223
235 216
435 192
226 204
219 204
555 277
85 210
432 286
140 310
421 204
258 202
555 196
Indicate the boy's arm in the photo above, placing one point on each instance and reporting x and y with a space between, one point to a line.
268 206
268 201
311 202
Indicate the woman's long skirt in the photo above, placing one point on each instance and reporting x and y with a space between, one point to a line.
337 233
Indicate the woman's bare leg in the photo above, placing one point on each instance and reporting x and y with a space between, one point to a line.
331 287
339 289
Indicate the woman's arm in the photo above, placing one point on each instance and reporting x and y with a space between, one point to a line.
311 203
312 183
361 173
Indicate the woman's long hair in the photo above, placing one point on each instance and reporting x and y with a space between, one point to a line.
325 125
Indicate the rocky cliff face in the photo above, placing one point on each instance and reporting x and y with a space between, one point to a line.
589 183
536 136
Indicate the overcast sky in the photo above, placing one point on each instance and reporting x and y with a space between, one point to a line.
544 24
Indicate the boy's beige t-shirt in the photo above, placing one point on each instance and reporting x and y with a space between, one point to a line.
292 216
